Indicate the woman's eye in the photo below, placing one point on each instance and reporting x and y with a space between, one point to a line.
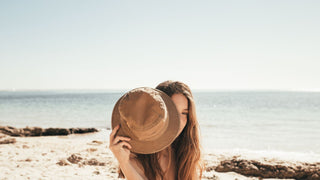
185 113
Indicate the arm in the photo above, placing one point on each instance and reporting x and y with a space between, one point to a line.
131 171
121 150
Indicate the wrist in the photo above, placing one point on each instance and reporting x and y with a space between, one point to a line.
125 164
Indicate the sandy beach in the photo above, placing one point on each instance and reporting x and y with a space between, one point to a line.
87 156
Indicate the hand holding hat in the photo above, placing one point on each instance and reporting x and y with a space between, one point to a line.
148 117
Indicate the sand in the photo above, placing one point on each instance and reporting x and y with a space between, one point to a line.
85 156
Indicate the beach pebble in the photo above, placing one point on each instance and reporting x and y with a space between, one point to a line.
92 149
74 159
95 142
6 139
93 162
28 160
63 162
96 172
315 176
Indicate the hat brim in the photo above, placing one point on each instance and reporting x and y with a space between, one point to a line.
149 147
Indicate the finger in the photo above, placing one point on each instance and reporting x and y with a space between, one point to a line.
126 144
120 138
114 131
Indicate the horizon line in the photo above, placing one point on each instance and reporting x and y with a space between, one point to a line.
127 89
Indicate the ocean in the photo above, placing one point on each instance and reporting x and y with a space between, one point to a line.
274 122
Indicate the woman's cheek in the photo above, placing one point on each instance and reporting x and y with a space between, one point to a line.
183 121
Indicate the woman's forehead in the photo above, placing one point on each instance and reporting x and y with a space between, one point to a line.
180 101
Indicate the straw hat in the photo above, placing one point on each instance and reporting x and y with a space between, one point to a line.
149 117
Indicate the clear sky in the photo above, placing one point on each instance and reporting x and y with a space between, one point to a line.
116 44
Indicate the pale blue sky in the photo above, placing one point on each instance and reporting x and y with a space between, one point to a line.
76 44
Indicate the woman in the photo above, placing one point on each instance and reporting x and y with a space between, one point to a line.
180 160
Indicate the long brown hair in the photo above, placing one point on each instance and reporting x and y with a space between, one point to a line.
186 147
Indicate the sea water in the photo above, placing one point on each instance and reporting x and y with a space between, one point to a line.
255 121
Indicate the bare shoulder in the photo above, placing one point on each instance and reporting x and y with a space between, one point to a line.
136 164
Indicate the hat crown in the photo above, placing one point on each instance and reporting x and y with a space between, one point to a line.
144 112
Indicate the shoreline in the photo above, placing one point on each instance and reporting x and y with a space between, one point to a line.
88 156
